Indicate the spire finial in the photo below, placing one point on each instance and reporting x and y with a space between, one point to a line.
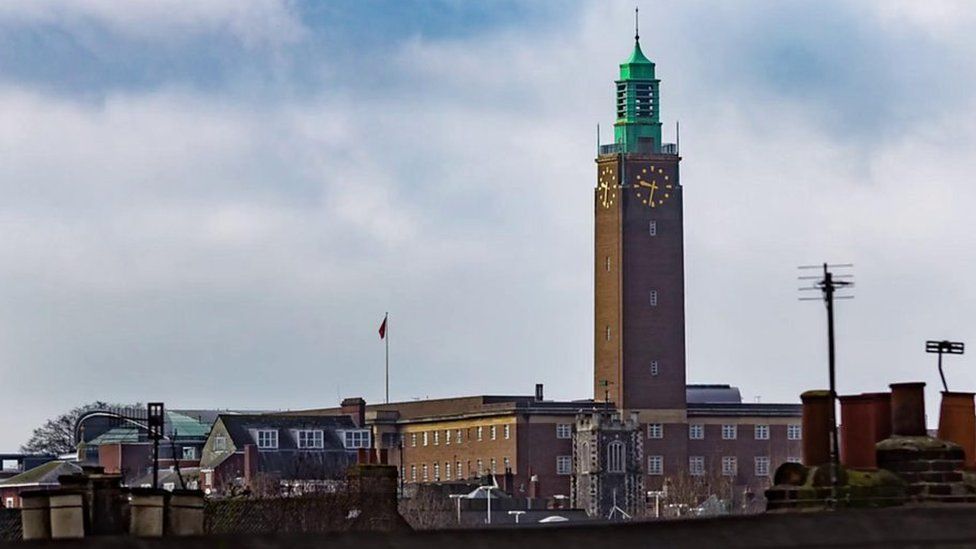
636 24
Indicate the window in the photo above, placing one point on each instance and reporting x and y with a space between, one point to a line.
413 439
437 472
437 438
729 466
459 439
220 443
480 432
730 432
608 333
564 465
356 439
696 466
491 463
480 467
794 432
652 228
10 503
655 369
267 438
615 457
762 432
492 431
653 298
793 459
447 437
447 470
762 466
506 464
424 469
189 452
608 263
507 432
424 436
564 430
655 430
655 465
310 439
459 471
413 473
696 431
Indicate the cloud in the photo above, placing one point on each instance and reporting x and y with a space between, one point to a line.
227 227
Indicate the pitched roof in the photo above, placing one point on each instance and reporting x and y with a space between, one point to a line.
42 475
241 427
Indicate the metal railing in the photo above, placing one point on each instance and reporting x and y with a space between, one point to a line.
615 148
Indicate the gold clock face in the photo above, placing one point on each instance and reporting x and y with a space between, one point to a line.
607 186
652 186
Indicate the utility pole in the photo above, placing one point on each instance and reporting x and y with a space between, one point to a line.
828 284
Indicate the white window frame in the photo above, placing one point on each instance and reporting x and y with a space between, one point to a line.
189 453
696 466
459 437
424 472
481 432
492 432
459 471
730 431
730 466
652 228
564 465
762 466
310 439
480 467
564 430
761 432
10 504
437 471
696 431
425 438
447 437
653 298
413 440
437 438
655 368
655 431
794 431
220 443
267 439
507 431
655 465
357 438
447 470
492 464
413 473
506 464
608 263
608 332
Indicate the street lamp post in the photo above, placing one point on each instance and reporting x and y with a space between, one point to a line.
457 499
944 347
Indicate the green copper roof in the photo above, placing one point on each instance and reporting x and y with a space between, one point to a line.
637 66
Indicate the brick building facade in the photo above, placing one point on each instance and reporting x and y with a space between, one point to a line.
700 434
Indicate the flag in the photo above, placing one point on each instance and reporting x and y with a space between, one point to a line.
383 329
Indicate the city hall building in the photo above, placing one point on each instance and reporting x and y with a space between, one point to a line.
644 427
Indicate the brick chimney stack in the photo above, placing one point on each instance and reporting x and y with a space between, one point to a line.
355 407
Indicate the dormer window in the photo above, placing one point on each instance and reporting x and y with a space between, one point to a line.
311 439
267 439
357 439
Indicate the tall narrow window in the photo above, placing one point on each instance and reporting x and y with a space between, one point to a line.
615 457
655 465
437 472
492 430
608 263
654 368
447 470
652 228
653 298
608 333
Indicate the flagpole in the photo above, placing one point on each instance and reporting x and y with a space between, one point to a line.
386 320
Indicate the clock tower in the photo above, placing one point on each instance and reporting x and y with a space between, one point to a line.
639 339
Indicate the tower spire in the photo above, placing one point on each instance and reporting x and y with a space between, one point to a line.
636 24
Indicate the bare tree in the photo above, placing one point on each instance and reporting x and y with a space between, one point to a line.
57 436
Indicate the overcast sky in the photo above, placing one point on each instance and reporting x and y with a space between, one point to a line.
213 203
